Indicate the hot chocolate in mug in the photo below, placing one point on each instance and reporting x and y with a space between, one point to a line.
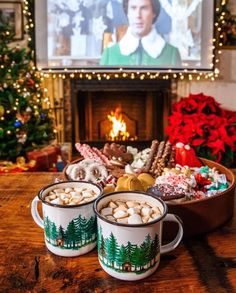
69 229
132 251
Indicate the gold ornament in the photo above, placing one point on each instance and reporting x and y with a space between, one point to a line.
20 161
2 110
20 81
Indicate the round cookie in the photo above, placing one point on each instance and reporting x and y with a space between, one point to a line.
87 170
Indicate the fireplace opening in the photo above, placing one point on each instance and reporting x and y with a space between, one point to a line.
141 108
118 126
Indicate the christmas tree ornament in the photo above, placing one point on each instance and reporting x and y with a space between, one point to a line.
21 137
42 116
20 161
28 109
26 94
2 110
26 116
19 117
31 83
20 81
17 124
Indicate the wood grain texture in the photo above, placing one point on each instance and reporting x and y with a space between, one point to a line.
201 264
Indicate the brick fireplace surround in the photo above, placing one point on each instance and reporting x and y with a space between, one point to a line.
88 102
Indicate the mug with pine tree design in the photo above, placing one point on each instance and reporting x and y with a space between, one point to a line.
131 251
69 221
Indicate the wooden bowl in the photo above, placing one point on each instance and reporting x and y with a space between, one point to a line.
204 215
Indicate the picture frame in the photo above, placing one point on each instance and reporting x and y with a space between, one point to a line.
229 33
13 12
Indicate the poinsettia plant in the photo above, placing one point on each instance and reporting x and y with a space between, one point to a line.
201 122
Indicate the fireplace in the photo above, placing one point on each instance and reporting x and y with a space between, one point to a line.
144 106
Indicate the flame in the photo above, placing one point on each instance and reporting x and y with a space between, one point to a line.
118 130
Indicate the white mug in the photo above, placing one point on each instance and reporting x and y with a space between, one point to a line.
69 230
132 252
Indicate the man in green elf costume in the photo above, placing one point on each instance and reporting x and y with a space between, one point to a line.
141 44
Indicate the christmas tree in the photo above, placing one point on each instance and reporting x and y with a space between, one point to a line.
24 124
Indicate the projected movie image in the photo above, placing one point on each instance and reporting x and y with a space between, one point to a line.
125 33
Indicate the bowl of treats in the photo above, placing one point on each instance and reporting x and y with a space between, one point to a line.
199 191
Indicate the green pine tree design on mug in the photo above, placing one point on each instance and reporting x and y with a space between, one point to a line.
130 257
79 232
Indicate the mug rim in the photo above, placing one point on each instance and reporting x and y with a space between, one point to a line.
130 225
68 206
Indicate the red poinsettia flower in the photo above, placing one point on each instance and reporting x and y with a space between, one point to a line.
200 121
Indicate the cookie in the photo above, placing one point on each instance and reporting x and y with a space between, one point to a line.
146 180
133 183
87 170
117 154
129 182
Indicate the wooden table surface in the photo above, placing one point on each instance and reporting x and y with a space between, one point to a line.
202 264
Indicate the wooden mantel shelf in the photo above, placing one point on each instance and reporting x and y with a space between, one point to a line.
202 264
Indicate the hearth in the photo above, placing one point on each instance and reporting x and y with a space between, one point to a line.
142 105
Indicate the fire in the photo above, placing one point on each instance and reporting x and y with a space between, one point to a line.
118 130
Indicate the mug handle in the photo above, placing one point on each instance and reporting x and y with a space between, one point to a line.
35 214
174 243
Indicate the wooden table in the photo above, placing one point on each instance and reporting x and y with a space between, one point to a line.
202 264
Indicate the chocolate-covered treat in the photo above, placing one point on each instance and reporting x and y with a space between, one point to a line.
163 158
156 168
167 191
171 161
153 190
117 154
151 156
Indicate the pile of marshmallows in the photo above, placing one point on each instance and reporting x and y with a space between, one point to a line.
130 212
120 211
71 196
